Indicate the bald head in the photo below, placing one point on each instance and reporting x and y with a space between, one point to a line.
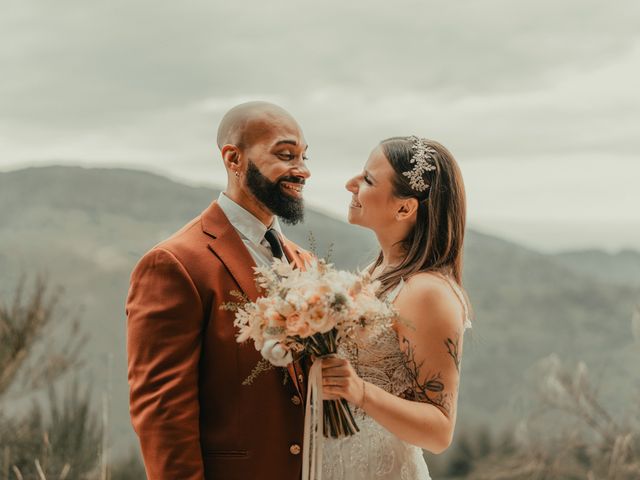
247 122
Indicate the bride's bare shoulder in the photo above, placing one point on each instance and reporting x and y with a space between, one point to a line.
431 295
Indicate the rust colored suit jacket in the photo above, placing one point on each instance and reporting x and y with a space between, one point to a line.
194 418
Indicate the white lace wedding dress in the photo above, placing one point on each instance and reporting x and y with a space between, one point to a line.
374 453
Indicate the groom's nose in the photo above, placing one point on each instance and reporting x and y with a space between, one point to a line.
302 170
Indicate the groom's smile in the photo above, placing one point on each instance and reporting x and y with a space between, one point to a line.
293 189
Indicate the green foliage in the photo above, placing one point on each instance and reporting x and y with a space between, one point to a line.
262 366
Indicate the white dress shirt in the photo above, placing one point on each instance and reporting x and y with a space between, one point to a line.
250 229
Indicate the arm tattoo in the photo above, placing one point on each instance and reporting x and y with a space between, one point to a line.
452 349
431 390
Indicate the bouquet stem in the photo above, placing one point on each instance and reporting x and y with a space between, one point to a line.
338 420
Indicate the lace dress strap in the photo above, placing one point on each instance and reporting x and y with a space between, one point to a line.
393 294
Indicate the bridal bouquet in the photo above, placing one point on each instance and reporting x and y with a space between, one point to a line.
311 312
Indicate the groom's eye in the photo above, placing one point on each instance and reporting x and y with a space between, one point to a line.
286 156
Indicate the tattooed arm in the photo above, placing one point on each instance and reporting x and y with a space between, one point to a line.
431 338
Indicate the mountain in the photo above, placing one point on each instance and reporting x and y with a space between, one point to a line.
86 228
622 267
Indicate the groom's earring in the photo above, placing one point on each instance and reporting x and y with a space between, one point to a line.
237 174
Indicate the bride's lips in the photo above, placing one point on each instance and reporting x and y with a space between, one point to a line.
354 204
293 189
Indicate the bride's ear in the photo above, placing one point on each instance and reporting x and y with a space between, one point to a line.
407 209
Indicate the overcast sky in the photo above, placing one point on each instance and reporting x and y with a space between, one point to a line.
538 101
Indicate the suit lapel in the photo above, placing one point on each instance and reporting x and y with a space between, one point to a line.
227 245
293 253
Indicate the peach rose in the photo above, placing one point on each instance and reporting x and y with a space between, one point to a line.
320 320
297 325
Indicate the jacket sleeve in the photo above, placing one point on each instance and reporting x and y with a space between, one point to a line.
164 329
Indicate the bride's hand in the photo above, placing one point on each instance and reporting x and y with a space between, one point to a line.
340 380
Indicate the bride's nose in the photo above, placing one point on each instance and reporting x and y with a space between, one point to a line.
352 185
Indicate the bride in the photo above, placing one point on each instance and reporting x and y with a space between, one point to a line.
403 384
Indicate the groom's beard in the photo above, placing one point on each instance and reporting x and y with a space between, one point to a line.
272 196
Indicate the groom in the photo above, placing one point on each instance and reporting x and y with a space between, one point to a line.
194 418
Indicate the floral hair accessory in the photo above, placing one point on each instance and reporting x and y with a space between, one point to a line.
423 161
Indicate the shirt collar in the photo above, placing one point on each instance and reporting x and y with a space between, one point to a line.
243 221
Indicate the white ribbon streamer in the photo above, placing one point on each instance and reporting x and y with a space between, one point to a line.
313 425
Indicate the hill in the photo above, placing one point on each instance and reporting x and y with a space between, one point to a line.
87 227
622 267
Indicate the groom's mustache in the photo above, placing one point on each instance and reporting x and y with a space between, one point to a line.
299 180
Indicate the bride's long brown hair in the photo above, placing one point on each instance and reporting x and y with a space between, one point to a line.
435 244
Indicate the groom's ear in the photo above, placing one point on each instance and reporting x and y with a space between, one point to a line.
231 157
407 209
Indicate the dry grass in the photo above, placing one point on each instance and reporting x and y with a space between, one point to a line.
570 434
28 359
596 445
55 440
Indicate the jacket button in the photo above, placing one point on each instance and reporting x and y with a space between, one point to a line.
295 449
301 378
296 400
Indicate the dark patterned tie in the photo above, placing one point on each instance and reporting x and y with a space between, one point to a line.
271 236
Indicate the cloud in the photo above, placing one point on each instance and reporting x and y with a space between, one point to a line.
75 64
498 82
